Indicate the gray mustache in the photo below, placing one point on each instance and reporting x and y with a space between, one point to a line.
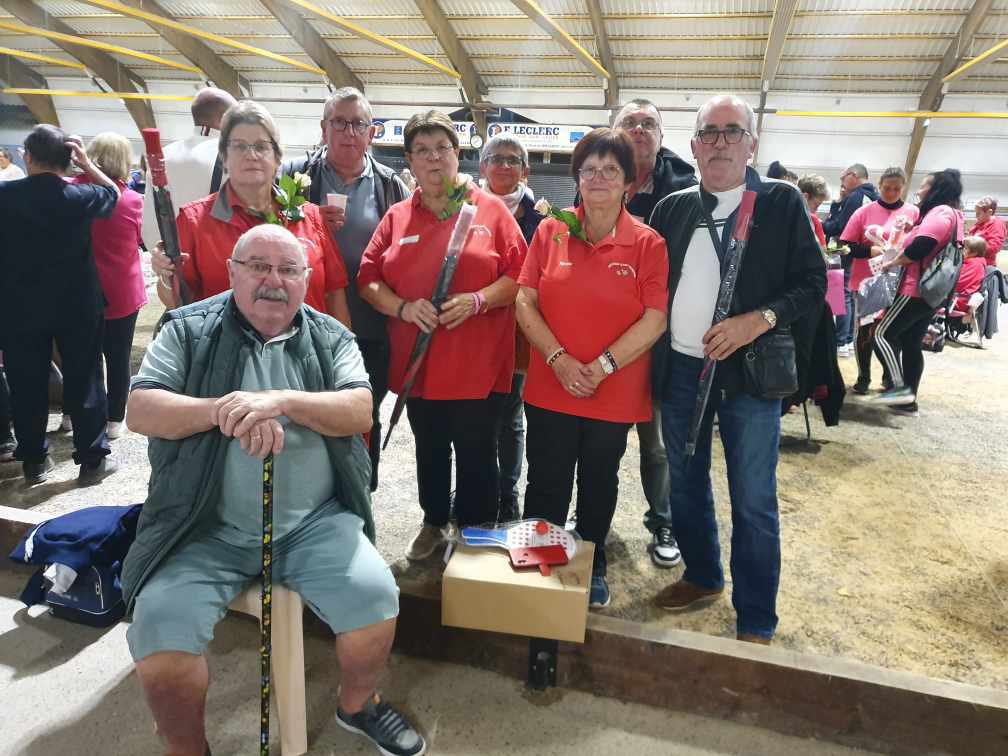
273 295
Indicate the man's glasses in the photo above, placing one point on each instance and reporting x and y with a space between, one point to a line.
258 149
511 161
648 124
437 153
731 134
342 124
608 172
262 269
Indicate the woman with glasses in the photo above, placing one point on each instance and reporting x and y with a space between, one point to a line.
209 228
459 393
504 168
593 300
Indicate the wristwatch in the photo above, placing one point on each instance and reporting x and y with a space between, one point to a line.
770 317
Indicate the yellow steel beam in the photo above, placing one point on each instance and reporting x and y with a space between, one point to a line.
886 114
542 19
74 40
152 18
978 59
39 57
105 95
378 39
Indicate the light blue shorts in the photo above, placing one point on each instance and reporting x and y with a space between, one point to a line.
327 560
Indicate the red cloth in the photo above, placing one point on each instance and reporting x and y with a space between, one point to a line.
589 297
872 214
940 223
970 278
406 253
210 242
993 232
116 244
817 227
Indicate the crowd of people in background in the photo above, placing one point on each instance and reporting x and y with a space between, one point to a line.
559 334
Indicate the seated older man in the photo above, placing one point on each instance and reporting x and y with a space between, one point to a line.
229 380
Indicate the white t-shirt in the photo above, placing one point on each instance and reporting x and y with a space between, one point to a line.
11 173
695 298
189 165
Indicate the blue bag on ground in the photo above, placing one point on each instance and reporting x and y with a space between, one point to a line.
92 543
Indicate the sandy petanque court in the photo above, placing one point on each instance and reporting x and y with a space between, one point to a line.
894 529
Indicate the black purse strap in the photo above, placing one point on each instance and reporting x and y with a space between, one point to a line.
728 255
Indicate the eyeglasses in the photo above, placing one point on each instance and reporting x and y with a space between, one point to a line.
258 149
342 124
731 134
437 153
608 172
262 269
511 161
648 124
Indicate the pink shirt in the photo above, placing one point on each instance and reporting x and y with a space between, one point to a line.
116 244
940 223
872 215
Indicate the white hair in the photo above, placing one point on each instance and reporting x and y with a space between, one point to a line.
734 100
273 234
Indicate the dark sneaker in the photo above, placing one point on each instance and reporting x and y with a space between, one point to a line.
37 472
91 474
900 395
664 549
385 727
910 410
7 449
750 638
860 386
599 594
426 542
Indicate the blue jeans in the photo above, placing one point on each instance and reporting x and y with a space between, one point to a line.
845 322
750 433
511 448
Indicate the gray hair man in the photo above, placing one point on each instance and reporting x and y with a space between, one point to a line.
364 190
660 172
788 282
228 381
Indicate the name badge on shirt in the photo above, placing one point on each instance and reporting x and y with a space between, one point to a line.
409 240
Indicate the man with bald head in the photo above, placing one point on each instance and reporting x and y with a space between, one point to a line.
192 164
228 381
781 278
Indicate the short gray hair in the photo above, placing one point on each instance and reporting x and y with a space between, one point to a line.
814 186
734 100
859 170
504 139
641 103
269 232
343 94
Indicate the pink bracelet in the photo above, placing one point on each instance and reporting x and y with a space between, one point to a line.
478 302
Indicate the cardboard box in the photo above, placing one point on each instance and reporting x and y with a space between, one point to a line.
480 590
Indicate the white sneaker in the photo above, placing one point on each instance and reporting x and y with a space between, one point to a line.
66 425
664 549
843 351
114 429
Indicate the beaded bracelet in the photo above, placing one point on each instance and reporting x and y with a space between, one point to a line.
555 356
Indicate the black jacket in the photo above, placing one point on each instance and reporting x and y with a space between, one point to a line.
834 225
783 268
389 188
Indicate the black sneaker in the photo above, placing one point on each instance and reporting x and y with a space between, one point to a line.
7 449
860 386
385 727
93 473
664 549
910 410
37 472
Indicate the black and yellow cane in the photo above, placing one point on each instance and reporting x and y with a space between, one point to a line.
265 638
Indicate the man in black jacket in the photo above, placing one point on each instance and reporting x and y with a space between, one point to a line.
344 166
660 172
782 276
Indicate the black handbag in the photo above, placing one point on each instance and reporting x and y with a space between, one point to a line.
769 365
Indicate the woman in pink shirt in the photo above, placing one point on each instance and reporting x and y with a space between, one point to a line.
116 244
899 333
886 218
989 227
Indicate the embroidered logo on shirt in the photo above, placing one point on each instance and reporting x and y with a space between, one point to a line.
409 240
622 269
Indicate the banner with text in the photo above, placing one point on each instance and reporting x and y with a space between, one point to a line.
537 137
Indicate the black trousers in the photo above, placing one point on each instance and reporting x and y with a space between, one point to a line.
470 426
117 344
27 357
5 409
376 362
898 338
555 445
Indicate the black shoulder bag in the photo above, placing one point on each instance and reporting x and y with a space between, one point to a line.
769 367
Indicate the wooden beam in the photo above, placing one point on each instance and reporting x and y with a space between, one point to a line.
317 49
934 91
551 27
200 54
117 75
780 25
17 74
474 89
612 93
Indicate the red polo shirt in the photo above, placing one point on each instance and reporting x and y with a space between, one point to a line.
589 297
209 228
406 253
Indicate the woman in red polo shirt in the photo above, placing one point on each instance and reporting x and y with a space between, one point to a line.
209 228
591 310
460 391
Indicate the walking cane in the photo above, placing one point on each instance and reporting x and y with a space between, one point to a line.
265 629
